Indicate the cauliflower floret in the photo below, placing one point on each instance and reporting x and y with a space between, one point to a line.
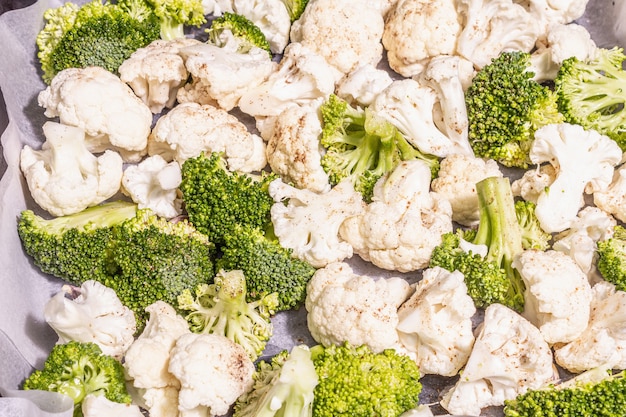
303 77
603 343
408 49
221 75
436 322
64 177
104 106
343 306
361 86
294 151
557 296
533 182
584 161
329 28
156 72
162 402
404 222
153 184
456 182
308 223
271 16
191 128
94 405
612 199
213 372
508 358
94 314
549 12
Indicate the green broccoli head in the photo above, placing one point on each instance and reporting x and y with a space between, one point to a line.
592 93
505 106
243 29
611 262
222 308
362 146
295 8
77 370
533 236
171 15
268 267
602 397
283 386
96 34
356 382
216 199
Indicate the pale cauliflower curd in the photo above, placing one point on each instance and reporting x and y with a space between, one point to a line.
402 69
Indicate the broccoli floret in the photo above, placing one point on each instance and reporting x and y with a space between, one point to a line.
363 146
95 34
172 15
533 236
243 29
77 370
490 279
283 386
216 199
295 8
143 257
611 262
221 308
505 106
592 93
268 267
603 395
356 382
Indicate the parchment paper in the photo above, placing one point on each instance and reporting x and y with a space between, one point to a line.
25 339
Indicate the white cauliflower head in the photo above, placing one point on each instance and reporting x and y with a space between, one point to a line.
584 162
101 104
557 296
550 12
436 322
362 85
213 372
612 199
94 405
64 177
153 183
191 128
308 222
343 306
456 182
404 222
408 49
92 313
329 28
156 72
533 182
508 358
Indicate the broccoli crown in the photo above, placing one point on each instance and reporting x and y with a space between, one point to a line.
143 257
604 398
592 93
221 308
77 370
533 236
356 382
505 106
363 146
490 279
283 386
216 199
172 15
242 28
95 34
268 267
295 8
611 262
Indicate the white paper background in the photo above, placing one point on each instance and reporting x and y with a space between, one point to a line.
25 339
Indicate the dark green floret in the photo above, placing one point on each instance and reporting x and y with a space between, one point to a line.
96 34
604 397
592 93
216 199
77 370
363 146
243 29
356 382
611 262
172 16
491 279
268 267
505 107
